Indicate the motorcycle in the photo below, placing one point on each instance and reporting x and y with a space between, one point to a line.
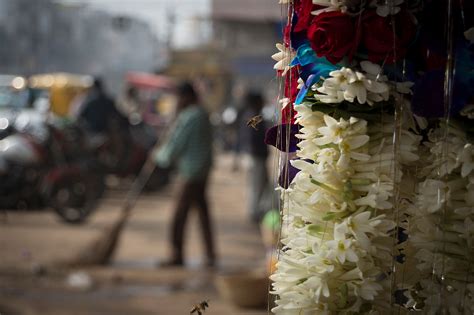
42 166
124 152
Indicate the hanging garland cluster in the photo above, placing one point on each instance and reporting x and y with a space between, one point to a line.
441 227
378 198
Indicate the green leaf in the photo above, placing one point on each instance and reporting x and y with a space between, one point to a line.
344 292
298 223
324 186
360 182
330 216
315 229
347 194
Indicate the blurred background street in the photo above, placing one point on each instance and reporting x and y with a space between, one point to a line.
92 93
132 284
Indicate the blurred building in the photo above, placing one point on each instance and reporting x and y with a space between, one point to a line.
206 66
246 31
238 55
40 36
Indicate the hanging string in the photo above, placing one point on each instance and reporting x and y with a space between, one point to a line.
281 159
469 262
396 165
448 99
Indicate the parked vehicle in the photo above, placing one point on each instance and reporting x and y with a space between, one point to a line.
63 89
152 100
124 154
42 166
14 97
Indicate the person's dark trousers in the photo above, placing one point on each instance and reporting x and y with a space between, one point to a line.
192 193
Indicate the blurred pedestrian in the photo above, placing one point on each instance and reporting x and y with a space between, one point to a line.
189 144
254 143
99 116
98 113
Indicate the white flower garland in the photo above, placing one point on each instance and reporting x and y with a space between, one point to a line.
367 87
356 184
441 228
337 248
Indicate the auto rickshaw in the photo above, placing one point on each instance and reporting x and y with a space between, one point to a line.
63 88
154 100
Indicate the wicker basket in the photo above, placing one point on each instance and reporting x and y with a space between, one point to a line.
244 289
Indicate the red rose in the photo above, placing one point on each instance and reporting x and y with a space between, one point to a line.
333 35
303 9
382 41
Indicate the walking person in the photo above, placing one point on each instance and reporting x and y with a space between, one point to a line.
189 145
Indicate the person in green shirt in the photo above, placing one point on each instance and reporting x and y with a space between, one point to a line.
189 147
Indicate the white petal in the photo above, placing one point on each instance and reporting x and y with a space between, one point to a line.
278 56
330 121
370 67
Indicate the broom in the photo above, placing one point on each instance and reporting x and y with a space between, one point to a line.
102 250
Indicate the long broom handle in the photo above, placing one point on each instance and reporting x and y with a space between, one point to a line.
112 237
141 180
139 183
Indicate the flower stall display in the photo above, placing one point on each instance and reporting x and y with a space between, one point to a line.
441 226
377 176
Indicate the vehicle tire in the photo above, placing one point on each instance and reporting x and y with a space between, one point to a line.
75 200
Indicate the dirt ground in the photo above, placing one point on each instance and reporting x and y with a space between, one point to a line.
32 241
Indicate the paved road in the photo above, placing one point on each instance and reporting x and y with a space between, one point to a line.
132 285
